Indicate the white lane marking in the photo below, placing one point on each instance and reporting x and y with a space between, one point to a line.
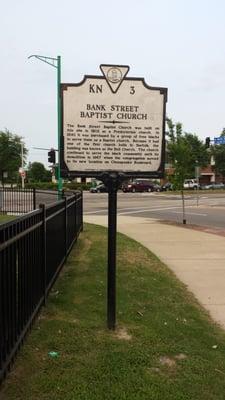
186 212
140 210
95 212
149 208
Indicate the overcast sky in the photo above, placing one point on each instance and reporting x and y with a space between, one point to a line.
177 44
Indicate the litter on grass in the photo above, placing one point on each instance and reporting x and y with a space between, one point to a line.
53 354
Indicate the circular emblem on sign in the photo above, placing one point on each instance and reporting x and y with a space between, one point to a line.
114 75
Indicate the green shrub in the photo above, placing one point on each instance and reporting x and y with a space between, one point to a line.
42 185
53 186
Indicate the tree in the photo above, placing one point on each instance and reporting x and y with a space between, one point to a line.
185 152
38 173
10 153
223 132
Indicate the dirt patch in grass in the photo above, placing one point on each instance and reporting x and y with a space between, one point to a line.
129 258
167 361
122 334
84 253
180 356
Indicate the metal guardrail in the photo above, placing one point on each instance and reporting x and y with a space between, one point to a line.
33 249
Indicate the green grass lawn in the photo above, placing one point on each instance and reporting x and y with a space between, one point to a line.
5 218
165 346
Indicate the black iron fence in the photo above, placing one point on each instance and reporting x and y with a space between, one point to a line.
22 201
17 201
33 249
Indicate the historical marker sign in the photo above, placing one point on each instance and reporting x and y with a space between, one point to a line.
112 127
113 123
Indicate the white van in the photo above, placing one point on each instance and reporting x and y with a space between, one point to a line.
191 184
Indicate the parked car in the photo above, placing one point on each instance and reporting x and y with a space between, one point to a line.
206 186
213 186
101 188
156 187
138 185
167 186
191 184
217 186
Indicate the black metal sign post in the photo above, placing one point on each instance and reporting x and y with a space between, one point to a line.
111 282
112 181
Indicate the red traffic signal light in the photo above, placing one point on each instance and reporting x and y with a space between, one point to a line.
51 156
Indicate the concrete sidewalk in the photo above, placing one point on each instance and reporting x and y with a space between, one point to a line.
197 258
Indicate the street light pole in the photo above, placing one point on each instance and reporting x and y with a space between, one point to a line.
22 170
59 121
56 63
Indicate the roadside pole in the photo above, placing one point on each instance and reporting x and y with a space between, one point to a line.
183 206
22 170
197 192
56 63
197 178
59 123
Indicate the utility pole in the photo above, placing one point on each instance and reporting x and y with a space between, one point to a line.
56 63
22 170
197 170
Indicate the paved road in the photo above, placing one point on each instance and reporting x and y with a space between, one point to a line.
209 212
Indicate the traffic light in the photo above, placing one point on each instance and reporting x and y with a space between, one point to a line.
207 142
51 156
